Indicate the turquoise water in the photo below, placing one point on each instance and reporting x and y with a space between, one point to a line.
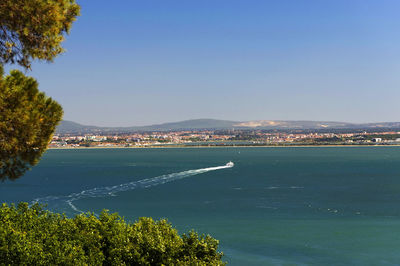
276 206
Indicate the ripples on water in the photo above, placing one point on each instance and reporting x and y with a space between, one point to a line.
277 206
58 203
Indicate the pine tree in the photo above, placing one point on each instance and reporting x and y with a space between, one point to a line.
27 121
34 29
29 30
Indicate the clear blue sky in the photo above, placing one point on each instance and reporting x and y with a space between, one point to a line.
144 62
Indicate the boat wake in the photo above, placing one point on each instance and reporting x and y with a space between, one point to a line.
65 203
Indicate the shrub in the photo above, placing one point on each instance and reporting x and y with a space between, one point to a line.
34 236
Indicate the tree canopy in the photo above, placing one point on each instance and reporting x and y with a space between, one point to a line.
29 30
34 29
27 121
33 236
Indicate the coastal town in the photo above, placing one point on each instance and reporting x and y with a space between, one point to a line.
192 138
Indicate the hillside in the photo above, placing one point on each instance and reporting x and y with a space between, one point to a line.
72 127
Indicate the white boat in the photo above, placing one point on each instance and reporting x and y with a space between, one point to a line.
230 164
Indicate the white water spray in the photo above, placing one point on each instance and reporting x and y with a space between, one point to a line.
63 203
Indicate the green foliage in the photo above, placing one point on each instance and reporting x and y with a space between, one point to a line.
27 121
34 29
32 236
29 30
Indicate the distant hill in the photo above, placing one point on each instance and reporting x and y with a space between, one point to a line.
194 124
69 126
277 124
76 128
72 127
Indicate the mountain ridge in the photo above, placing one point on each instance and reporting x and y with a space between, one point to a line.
66 126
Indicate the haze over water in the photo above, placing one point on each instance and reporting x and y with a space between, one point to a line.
305 206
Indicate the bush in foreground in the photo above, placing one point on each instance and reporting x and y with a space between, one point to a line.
33 236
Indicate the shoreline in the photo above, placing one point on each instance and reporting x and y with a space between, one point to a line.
227 146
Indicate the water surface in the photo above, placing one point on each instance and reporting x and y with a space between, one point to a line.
276 206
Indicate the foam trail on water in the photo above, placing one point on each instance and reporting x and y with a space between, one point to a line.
65 203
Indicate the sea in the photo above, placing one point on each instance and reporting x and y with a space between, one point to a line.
275 206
